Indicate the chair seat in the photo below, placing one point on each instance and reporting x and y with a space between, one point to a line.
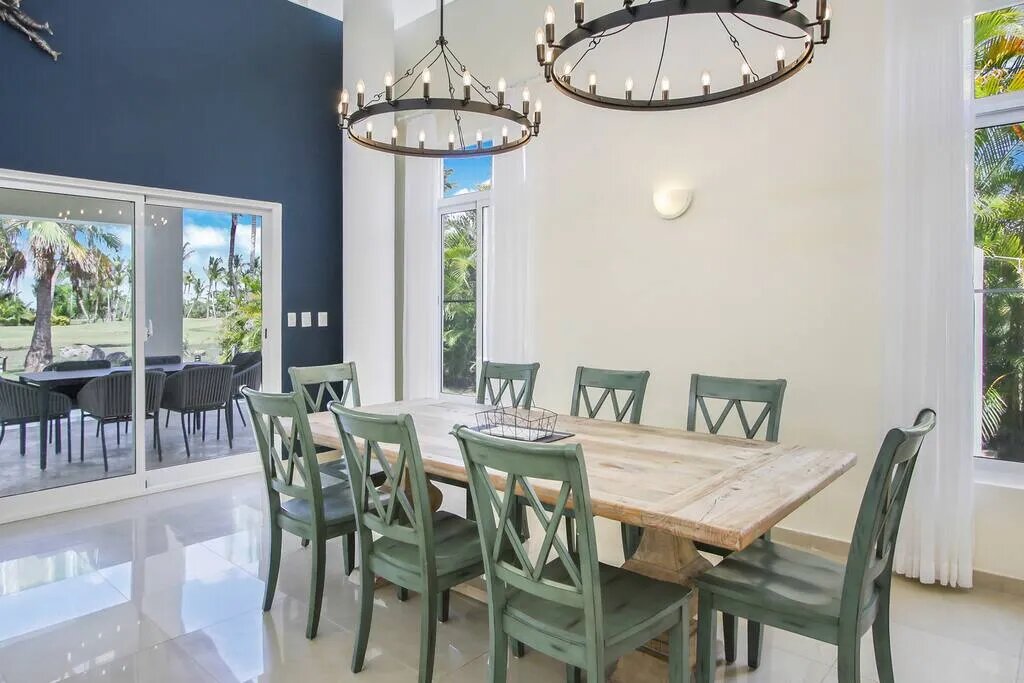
456 546
780 579
338 506
629 601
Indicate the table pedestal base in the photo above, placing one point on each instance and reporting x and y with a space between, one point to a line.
664 557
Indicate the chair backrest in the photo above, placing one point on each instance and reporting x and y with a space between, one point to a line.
201 386
737 393
111 395
610 382
285 442
163 360
72 365
245 359
498 384
878 523
118 359
320 384
569 580
155 381
18 400
394 515
251 376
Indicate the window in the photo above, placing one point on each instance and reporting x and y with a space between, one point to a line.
464 216
999 227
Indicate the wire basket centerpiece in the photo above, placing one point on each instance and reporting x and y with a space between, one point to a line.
521 424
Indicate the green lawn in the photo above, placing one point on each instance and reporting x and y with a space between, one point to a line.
200 333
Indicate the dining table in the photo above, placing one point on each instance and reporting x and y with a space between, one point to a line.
48 380
681 487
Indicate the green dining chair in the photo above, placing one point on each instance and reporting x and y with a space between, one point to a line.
737 394
610 383
812 596
312 512
567 606
318 385
498 384
400 538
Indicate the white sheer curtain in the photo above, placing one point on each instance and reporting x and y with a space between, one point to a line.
929 328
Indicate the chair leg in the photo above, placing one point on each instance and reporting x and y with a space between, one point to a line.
428 634
275 566
880 635
366 586
679 648
3 432
204 426
755 640
518 649
184 435
103 442
229 423
707 624
348 553
21 435
403 594
572 674
849 659
69 437
167 420
731 631
305 543
156 438
218 425
498 669
241 413
445 606
81 439
117 431
316 586
60 441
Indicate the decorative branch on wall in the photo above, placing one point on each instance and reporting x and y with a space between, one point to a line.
11 13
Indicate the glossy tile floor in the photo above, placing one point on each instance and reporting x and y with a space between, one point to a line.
166 588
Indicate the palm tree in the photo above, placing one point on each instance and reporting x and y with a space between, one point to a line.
999 52
54 247
231 255
214 272
252 241
459 308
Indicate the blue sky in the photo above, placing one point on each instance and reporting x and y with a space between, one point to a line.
468 173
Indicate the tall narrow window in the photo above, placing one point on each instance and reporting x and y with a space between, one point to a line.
463 221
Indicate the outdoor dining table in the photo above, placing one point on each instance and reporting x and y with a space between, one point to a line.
681 487
48 380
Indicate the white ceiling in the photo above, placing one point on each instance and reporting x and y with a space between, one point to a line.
406 11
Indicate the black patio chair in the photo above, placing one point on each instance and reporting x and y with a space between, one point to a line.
19 405
198 389
109 400
248 373
163 360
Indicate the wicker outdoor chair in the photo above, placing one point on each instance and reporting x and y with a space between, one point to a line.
19 405
109 400
197 389
248 373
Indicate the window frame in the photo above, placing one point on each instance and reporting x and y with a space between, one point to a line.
480 202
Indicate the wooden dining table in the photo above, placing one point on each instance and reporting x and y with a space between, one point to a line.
681 487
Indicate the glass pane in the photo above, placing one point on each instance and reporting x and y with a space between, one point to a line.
1002 381
216 319
465 175
999 51
66 317
459 307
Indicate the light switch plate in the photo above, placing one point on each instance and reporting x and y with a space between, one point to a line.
307 319
292 319
321 319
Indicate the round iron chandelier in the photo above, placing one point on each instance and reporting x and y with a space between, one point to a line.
789 23
518 128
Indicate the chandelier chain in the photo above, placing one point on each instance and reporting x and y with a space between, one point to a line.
736 45
765 30
661 60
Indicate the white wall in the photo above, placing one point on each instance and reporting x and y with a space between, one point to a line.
775 271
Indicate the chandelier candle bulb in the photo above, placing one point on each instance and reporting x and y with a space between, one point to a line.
579 12
389 86
526 101
451 140
423 139
705 81
549 25
540 46
822 7
479 138
343 105
780 57
745 71
567 74
665 89
629 89
593 84
360 94
467 85
504 135
536 113
502 86
369 130
426 84
394 135
826 24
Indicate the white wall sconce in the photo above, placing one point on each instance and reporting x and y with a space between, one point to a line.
672 202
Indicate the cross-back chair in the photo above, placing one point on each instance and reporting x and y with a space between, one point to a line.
400 538
320 384
507 384
618 395
311 512
815 597
763 399
566 605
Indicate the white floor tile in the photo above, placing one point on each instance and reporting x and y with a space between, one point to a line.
164 663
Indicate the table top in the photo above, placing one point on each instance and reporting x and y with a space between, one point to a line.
65 377
719 490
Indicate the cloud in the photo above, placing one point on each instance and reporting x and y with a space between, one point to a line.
201 237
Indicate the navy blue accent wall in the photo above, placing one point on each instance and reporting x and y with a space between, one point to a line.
226 97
